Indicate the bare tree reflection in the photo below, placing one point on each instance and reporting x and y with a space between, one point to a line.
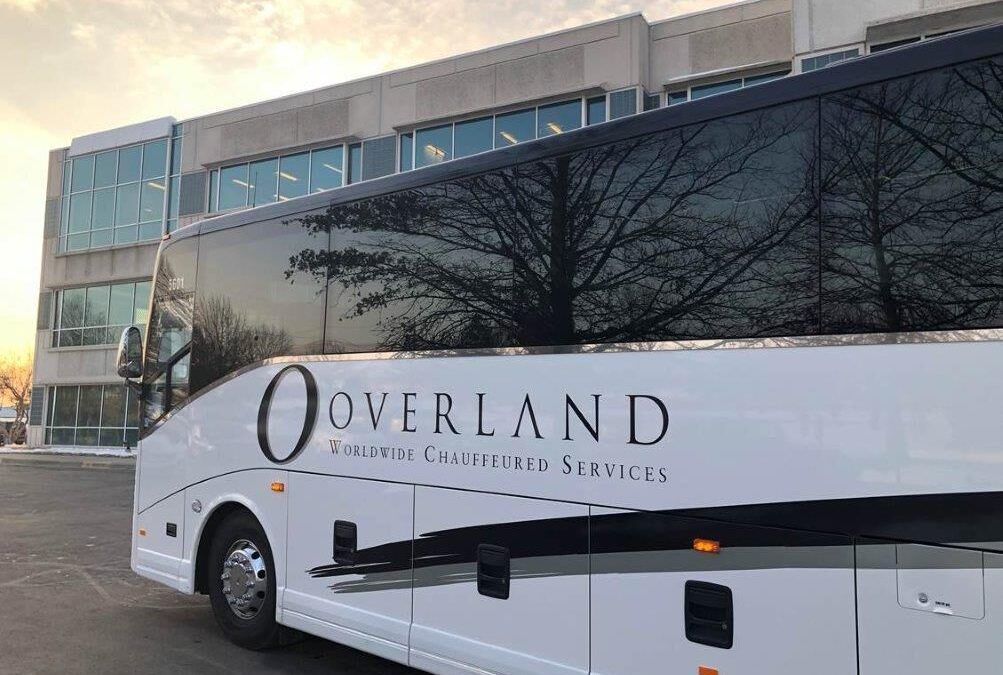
913 205
227 341
698 232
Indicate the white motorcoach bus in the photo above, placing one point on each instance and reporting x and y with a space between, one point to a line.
712 389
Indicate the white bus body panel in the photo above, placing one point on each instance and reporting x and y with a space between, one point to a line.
753 425
543 626
793 610
370 615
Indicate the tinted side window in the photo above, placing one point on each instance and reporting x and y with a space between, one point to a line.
913 203
708 231
251 304
168 342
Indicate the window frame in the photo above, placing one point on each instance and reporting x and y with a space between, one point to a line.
66 239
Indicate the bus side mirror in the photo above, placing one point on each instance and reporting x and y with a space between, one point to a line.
130 354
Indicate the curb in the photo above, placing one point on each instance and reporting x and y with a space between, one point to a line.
54 461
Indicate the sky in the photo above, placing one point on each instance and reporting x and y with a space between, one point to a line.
72 67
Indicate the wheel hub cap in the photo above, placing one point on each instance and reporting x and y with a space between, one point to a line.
245 579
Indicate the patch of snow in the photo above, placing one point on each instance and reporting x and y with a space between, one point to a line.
93 452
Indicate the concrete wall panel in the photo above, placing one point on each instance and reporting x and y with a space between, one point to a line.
258 134
110 265
540 76
759 40
54 180
322 121
455 94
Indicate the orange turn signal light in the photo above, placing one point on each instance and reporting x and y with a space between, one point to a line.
142 532
704 670
278 487
706 546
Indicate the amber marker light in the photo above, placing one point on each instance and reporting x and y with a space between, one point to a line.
278 487
706 546
704 670
142 532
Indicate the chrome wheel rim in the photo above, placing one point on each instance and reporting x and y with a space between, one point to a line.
244 579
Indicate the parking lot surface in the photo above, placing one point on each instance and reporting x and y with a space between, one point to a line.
70 604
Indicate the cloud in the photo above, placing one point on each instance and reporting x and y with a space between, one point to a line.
88 65
24 5
85 33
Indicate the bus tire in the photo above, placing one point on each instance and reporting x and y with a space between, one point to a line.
241 583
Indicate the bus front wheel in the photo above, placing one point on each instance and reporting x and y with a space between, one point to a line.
241 581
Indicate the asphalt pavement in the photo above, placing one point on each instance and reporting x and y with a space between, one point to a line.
70 604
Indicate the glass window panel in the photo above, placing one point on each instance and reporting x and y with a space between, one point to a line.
294 176
129 160
112 438
70 338
78 242
213 180
515 127
104 209
233 187
71 312
596 110
705 90
132 436
65 411
622 103
652 102
911 199
122 304
473 136
154 159
83 173
407 152
89 406
87 437
131 409
173 201
96 308
179 379
252 302
677 97
114 406
263 182
102 238
326 168
151 203
67 169
355 162
94 336
170 327
892 45
176 155
765 77
64 215
80 212
105 166
150 231
142 307
126 235
433 145
127 204
63 436
557 118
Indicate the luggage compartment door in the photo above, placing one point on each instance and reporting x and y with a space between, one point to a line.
500 585
349 562
757 600
928 610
